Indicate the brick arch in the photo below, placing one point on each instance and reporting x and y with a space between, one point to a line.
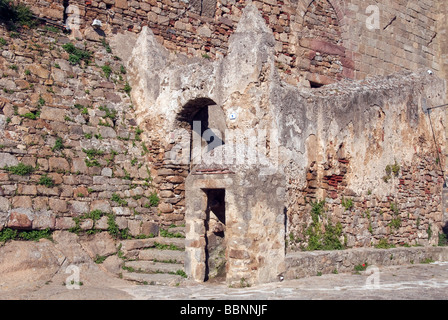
338 6
321 22
324 57
193 106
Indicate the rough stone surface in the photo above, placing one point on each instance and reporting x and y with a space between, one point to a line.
53 123
365 147
7 160
314 40
321 153
305 264
27 263
19 219
99 245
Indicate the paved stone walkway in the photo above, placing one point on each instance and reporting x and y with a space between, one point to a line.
412 282
423 281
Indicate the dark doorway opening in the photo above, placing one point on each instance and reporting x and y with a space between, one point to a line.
215 227
203 125
443 237
65 3
206 122
315 85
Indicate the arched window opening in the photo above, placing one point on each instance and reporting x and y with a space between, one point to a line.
206 123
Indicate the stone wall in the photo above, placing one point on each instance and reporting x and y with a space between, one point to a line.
75 127
365 147
371 153
254 230
99 135
318 41
309 264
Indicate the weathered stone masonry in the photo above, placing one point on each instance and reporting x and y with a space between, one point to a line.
316 41
257 60
335 143
46 99
384 130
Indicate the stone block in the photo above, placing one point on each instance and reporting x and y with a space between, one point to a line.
58 205
112 97
42 190
78 208
92 35
122 222
39 71
79 165
80 192
22 202
134 227
205 31
176 179
52 13
66 191
112 264
44 220
53 114
29 190
86 224
148 228
4 211
5 205
107 132
166 208
20 219
59 164
7 160
145 6
102 224
43 164
107 172
40 203
64 223
121 211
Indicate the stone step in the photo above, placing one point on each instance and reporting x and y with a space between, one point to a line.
154 267
162 255
131 248
136 244
177 230
178 242
161 279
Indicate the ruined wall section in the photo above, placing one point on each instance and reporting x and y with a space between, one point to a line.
318 41
368 151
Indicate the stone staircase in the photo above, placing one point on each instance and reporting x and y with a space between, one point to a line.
155 261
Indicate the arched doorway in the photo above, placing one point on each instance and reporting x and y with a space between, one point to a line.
321 45
205 195
205 121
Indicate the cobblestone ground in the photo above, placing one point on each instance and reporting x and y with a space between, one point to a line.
406 282
413 282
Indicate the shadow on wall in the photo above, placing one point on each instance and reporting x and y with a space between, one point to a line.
99 32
